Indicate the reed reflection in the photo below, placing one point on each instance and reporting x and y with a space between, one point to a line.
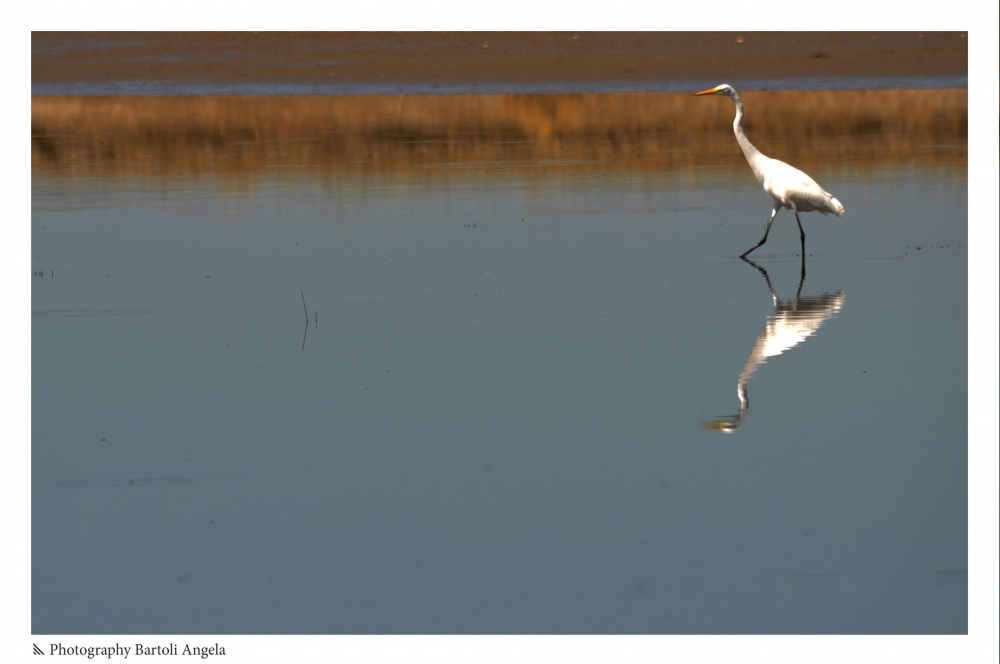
790 324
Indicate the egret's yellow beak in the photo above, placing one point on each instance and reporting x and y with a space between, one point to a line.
707 92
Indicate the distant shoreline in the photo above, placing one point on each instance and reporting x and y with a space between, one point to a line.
197 64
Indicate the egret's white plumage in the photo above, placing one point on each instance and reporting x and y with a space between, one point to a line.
789 187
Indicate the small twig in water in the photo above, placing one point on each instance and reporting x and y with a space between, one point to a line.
304 308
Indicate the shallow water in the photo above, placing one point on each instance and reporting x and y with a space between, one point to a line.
498 417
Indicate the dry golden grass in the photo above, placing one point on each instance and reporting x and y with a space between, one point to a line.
591 132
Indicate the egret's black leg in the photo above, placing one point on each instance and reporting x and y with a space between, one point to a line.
777 206
802 235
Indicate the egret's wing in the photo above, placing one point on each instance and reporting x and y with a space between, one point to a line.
791 184
794 178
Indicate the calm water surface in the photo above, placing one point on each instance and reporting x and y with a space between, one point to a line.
526 400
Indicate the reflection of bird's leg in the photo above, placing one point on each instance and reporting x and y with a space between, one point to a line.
802 234
777 206
763 273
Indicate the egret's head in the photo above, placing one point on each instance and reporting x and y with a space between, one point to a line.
723 89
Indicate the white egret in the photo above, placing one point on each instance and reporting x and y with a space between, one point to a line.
789 187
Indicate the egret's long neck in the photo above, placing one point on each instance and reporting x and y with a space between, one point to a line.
752 154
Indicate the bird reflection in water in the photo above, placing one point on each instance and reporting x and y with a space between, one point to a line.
789 325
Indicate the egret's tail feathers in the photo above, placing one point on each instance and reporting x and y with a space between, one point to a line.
838 209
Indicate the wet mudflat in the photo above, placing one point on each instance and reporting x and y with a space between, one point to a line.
390 63
509 380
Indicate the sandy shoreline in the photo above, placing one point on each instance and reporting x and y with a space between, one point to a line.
435 63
